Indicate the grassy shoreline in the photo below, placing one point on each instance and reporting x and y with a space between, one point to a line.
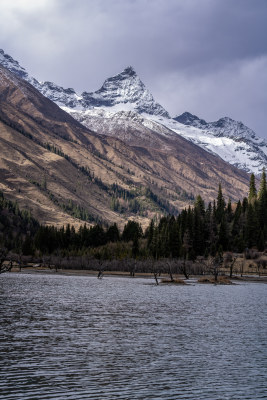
208 279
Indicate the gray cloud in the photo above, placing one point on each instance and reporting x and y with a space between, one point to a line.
208 57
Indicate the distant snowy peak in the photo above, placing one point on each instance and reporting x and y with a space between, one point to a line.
231 140
124 88
226 127
191 120
233 129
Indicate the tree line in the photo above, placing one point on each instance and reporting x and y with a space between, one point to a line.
198 230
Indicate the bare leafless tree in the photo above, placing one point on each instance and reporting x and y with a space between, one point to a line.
212 265
229 261
4 266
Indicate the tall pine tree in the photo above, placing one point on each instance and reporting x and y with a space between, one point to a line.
252 195
262 208
220 205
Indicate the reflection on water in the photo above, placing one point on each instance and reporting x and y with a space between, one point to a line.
66 337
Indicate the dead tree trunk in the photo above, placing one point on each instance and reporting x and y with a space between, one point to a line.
170 272
4 267
184 269
20 262
133 269
101 270
232 267
156 272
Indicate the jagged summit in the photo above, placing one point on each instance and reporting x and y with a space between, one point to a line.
225 126
230 139
125 89
189 119
128 71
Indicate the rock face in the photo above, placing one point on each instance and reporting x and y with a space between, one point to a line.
127 90
190 120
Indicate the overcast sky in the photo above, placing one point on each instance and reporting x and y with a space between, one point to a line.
208 57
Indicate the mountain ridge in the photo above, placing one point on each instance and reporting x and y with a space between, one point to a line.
242 140
125 87
125 92
65 173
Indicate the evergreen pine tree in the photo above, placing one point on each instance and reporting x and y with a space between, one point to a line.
175 240
135 247
263 186
244 205
261 241
252 227
199 205
223 235
198 232
229 211
252 195
154 245
150 232
220 205
113 234
262 204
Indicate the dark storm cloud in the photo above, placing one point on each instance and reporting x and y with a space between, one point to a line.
205 56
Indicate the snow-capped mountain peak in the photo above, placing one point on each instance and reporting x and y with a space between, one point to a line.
189 119
124 90
231 140
121 89
225 126
12 65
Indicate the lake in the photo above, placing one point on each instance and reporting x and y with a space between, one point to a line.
78 337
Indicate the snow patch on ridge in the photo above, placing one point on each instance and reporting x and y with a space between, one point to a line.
244 151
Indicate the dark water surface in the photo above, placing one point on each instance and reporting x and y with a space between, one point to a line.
69 337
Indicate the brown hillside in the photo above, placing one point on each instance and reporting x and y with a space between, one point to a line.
48 161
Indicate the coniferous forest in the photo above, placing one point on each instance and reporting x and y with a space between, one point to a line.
198 231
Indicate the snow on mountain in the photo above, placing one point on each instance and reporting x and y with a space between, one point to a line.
223 127
191 120
124 107
231 140
129 126
59 95
125 88
9 63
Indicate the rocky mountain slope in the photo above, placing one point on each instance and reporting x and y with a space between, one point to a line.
66 173
116 104
232 140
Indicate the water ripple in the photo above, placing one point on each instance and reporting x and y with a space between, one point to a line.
74 338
